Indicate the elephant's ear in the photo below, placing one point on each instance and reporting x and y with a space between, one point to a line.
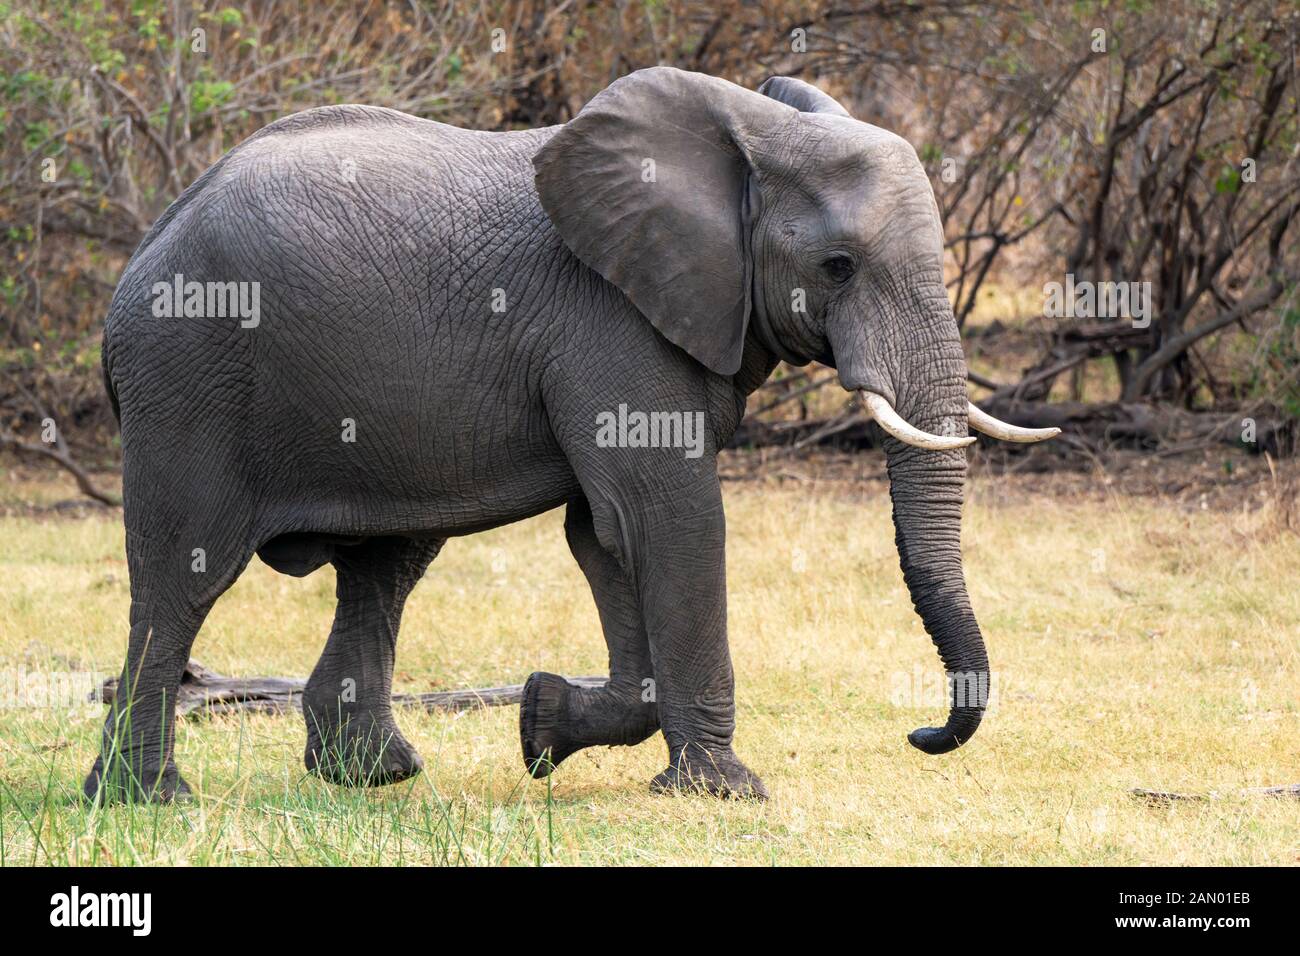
804 97
647 185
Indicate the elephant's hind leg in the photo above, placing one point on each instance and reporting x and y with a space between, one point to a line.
557 718
352 738
181 557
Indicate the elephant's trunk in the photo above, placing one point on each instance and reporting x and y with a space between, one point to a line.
907 360
926 488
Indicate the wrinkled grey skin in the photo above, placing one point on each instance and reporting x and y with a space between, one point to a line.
378 240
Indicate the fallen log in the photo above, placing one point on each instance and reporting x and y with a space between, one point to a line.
1166 797
1156 427
1087 429
205 693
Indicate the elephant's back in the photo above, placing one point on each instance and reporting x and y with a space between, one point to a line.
347 159
376 244
335 210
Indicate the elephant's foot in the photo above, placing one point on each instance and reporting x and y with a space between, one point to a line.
719 773
125 785
360 751
557 719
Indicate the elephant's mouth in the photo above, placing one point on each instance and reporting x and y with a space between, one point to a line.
879 409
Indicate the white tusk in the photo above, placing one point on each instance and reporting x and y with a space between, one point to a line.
888 419
982 421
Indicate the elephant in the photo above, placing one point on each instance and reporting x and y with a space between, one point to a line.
361 333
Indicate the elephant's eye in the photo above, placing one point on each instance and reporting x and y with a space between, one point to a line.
839 268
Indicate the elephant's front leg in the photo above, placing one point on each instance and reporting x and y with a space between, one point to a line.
662 520
557 718
352 738
679 549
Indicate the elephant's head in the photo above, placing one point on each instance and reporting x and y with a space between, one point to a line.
721 212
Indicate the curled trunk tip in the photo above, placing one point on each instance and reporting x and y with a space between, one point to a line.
961 726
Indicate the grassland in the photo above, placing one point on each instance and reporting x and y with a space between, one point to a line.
1136 644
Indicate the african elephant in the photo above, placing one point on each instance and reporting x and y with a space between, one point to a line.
361 333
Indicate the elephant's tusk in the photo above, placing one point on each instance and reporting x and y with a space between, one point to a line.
982 421
878 407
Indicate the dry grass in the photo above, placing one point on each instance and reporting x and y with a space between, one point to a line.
1135 645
